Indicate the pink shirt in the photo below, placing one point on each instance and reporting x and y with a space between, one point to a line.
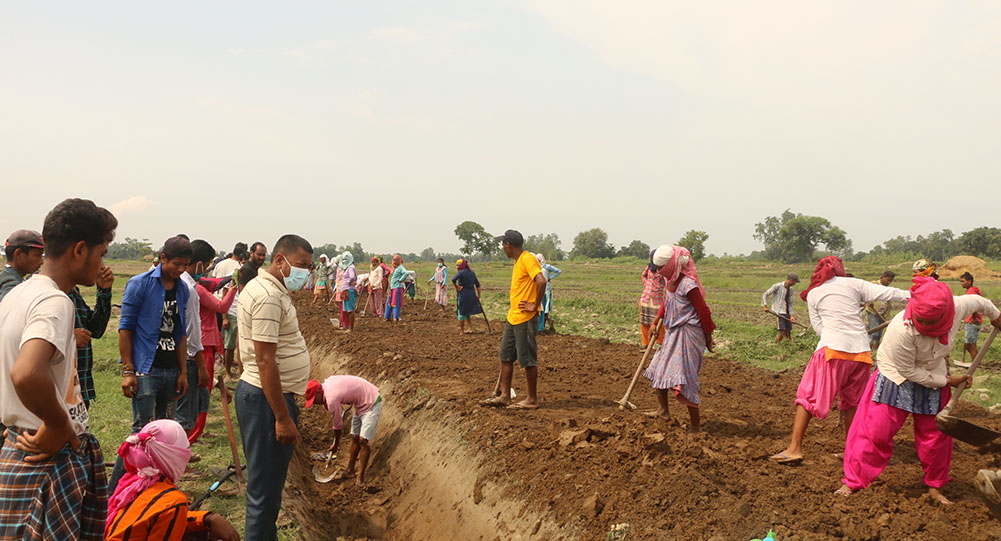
210 306
350 390
654 288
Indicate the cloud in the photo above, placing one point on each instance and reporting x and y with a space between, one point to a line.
133 204
310 51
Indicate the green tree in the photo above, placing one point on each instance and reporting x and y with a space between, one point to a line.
695 242
427 254
470 233
795 238
981 242
130 248
636 248
547 245
592 243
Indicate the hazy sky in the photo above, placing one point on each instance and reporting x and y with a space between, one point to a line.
388 123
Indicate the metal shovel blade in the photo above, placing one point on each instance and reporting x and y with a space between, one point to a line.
322 473
965 431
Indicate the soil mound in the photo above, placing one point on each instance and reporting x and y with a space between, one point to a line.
956 266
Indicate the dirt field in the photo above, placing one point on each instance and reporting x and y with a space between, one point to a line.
444 468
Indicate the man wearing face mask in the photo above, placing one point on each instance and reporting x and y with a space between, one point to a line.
275 369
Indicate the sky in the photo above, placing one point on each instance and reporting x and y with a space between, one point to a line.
389 123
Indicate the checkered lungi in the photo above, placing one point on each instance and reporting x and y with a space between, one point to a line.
62 498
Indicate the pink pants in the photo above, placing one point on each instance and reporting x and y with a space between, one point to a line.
870 442
375 298
823 380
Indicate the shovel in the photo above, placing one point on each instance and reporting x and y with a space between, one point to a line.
961 429
323 473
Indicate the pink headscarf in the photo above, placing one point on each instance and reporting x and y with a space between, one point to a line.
159 449
675 262
931 299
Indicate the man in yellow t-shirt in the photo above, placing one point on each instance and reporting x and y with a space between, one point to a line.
528 286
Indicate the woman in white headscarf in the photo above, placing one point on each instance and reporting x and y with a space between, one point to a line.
688 328
321 287
347 292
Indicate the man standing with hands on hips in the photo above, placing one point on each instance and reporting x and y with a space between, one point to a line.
275 369
528 286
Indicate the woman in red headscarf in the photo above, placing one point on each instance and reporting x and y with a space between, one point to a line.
689 332
912 380
840 365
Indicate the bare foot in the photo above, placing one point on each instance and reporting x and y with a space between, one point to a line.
658 414
359 482
845 491
937 495
695 429
344 476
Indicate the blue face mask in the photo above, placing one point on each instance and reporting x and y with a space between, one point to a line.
296 278
199 275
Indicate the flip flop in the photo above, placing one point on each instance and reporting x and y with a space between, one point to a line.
785 459
494 402
523 406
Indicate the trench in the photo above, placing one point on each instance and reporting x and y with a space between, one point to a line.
426 481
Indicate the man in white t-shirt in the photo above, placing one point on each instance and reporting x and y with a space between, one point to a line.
51 468
224 268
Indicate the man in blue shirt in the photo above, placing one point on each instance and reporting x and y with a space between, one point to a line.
152 339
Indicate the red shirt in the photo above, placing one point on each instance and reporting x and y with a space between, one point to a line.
975 319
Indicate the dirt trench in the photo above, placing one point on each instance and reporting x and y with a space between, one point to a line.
425 479
444 468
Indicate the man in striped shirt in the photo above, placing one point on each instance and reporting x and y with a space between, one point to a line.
275 369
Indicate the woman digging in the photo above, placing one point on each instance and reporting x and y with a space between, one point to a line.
912 380
347 290
689 327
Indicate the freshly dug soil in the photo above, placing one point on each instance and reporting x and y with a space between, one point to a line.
444 467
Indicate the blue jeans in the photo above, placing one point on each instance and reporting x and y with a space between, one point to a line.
187 406
154 393
267 460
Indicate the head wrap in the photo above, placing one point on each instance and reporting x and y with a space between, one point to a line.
652 267
931 300
924 267
541 258
347 259
461 264
375 262
159 449
397 260
324 257
827 267
675 262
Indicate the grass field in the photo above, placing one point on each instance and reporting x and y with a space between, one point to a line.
596 299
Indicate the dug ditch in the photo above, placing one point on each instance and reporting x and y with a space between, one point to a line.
444 468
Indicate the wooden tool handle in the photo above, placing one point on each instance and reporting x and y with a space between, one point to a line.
636 375
973 368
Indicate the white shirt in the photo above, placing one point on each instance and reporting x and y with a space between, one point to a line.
194 319
906 354
225 268
834 311
779 297
38 309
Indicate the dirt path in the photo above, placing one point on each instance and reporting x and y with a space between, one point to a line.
445 468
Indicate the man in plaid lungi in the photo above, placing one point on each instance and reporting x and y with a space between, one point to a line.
51 468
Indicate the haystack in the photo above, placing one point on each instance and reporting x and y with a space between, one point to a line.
967 263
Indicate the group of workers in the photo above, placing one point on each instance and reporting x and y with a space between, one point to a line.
52 468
